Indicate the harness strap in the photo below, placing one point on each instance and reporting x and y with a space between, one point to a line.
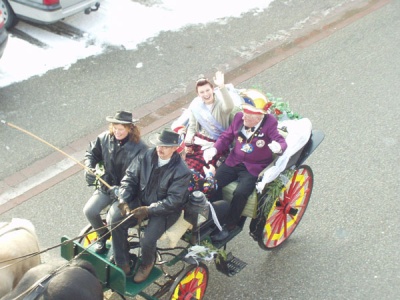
38 287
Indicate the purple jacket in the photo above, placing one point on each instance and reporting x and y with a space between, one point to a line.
261 156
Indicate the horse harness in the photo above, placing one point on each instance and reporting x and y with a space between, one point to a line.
38 288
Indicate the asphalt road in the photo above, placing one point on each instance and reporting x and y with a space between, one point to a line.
65 105
347 244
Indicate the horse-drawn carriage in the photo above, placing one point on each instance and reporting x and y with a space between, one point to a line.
275 213
275 208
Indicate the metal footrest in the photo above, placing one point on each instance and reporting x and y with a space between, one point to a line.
231 266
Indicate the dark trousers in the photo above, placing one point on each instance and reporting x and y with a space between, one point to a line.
246 185
148 242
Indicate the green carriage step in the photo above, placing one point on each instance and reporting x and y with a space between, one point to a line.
133 289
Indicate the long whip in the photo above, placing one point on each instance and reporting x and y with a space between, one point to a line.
87 169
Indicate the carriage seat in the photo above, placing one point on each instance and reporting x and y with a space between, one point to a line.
176 231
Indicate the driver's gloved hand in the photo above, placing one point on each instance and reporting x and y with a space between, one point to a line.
113 192
90 177
124 208
140 213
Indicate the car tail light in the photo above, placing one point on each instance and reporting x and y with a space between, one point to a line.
51 2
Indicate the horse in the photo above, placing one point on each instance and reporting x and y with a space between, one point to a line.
18 240
75 280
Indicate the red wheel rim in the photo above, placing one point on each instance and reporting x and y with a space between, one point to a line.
193 285
287 212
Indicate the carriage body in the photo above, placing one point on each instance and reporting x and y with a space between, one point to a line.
273 220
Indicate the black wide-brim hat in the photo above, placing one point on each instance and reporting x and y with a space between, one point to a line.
121 117
165 138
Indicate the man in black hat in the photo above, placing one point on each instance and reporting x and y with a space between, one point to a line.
114 149
155 187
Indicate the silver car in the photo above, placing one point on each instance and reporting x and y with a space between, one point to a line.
44 11
3 35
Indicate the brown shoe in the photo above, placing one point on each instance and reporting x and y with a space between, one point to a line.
142 273
126 268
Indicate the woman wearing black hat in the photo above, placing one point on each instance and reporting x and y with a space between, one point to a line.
114 150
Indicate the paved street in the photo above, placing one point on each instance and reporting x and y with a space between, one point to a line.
346 83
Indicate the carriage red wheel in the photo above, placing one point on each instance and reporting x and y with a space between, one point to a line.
288 210
191 284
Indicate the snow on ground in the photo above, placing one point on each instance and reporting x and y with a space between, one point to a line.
120 23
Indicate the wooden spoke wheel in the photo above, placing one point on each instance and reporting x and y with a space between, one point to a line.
190 284
287 211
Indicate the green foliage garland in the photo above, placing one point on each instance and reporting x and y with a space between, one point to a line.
273 190
280 109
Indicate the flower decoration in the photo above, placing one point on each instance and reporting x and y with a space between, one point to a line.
276 106
268 105
281 109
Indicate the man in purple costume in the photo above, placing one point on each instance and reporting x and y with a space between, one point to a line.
256 138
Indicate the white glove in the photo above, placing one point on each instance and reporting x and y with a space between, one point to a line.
209 153
260 186
275 147
205 144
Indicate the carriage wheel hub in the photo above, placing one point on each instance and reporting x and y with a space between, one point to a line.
290 210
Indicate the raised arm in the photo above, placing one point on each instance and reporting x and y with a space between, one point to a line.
226 99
